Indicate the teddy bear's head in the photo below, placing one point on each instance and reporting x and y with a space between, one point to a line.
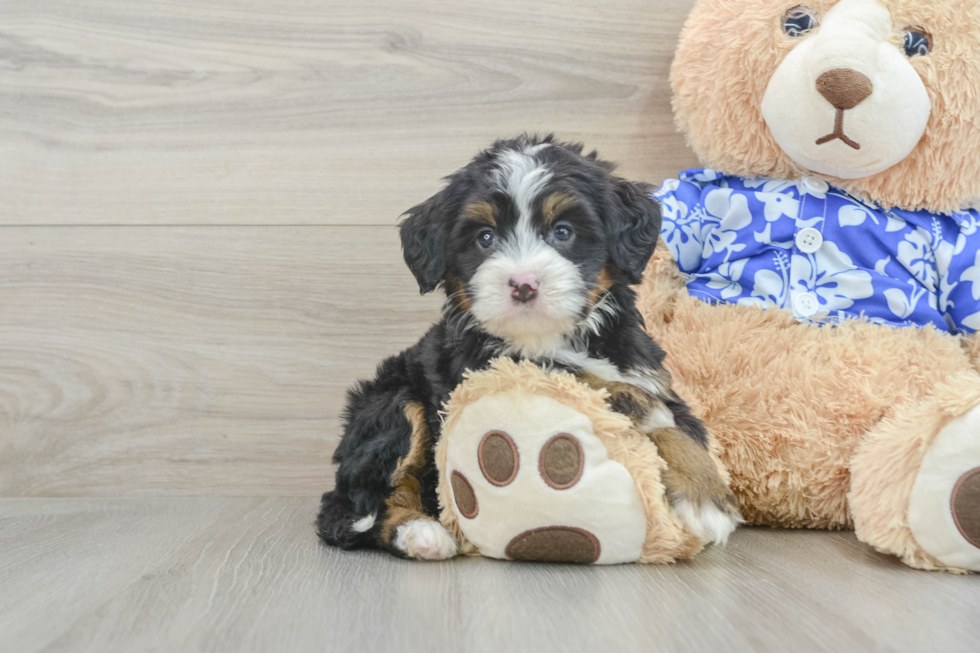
881 97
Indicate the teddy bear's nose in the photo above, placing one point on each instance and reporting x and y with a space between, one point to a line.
844 88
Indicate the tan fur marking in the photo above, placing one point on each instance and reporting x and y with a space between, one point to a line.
456 292
481 212
602 285
628 399
691 472
554 205
405 502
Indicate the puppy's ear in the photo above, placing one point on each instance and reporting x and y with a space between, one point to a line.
424 233
633 226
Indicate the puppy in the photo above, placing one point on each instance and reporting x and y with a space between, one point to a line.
535 245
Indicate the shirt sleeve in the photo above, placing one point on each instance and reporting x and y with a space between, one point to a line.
962 279
682 227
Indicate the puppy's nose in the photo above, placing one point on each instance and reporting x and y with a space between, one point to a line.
523 289
844 88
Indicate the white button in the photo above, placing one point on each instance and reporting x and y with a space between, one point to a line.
816 185
809 240
806 304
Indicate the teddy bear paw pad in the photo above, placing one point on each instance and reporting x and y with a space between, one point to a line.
944 507
555 544
966 506
539 484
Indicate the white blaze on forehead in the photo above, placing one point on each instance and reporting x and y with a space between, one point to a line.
521 176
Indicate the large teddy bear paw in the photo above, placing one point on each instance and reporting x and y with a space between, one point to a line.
944 507
540 486
535 466
915 480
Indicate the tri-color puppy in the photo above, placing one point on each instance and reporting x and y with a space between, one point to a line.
535 245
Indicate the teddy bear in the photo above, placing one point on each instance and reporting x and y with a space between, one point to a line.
816 289
817 284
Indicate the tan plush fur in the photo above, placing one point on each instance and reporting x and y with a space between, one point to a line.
730 48
884 468
789 403
666 538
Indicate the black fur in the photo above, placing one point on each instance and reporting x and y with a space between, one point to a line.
617 226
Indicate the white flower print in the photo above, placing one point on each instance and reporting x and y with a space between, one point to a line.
705 176
770 287
903 305
852 215
833 276
769 185
681 230
916 254
972 275
895 223
972 321
778 205
726 278
725 214
969 222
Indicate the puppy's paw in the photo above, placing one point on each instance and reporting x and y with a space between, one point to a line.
708 522
425 539
695 488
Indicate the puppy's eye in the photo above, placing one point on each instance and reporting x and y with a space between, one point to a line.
799 21
486 238
563 231
918 42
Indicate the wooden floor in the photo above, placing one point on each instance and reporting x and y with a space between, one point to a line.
242 575
197 256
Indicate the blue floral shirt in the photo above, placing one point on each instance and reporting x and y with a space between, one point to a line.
821 253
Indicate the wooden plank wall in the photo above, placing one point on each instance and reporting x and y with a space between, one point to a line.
198 200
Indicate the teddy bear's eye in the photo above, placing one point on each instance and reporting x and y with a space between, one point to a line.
799 21
918 42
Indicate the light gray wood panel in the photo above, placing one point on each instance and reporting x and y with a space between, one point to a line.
194 360
248 575
311 111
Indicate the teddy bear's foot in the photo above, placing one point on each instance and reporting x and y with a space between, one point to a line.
425 539
944 508
915 480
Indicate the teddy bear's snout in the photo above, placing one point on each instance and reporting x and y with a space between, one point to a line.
844 88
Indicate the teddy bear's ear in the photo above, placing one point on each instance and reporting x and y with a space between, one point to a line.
633 226
423 233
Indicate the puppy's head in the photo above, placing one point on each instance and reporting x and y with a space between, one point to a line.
529 237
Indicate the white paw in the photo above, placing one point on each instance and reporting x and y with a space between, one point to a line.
364 524
709 523
425 539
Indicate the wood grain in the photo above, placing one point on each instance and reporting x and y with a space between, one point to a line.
243 575
193 360
311 111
